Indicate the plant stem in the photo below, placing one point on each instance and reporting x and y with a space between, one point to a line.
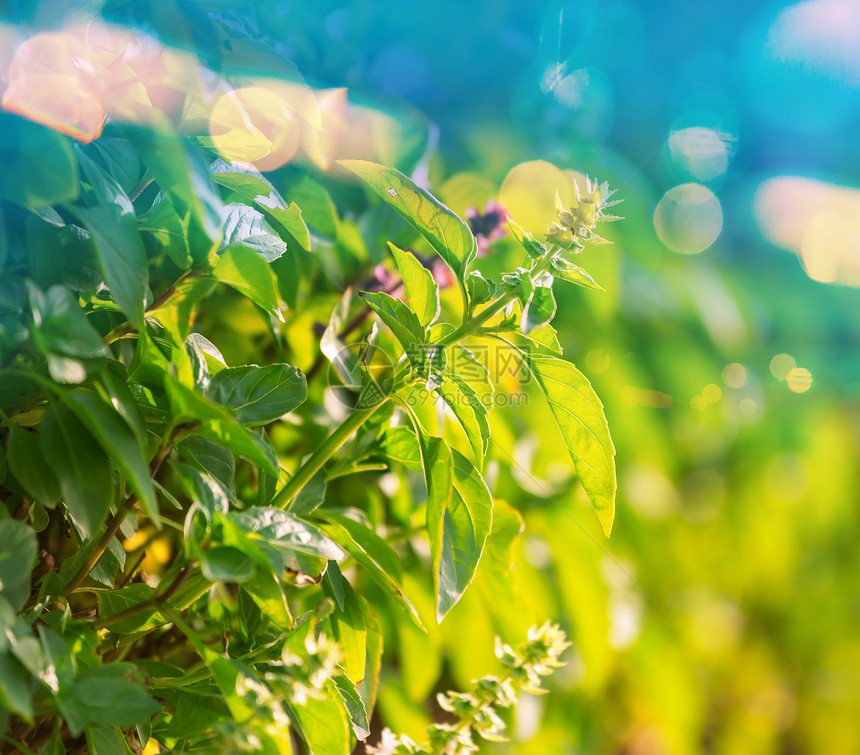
125 328
112 528
355 420
322 455
152 604
470 326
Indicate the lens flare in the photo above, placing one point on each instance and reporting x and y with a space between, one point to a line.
688 218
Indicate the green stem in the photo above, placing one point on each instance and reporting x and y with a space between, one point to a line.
112 528
355 420
470 326
322 455
473 324
153 604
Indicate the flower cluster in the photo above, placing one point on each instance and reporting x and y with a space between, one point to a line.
535 658
575 225
479 711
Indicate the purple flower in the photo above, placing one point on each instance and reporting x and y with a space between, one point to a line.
487 226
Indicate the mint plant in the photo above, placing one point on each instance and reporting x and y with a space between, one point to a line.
194 554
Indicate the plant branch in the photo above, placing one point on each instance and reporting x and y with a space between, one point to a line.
125 328
112 528
316 461
355 420
152 604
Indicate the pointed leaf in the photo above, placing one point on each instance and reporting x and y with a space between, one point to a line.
259 395
467 523
245 226
80 465
324 723
402 322
571 273
118 442
30 467
121 256
245 271
17 552
470 413
445 232
421 289
580 418
286 220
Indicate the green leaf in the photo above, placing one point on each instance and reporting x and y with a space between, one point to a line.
178 312
226 673
571 273
259 395
197 712
201 488
212 459
545 338
104 740
17 554
250 275
117 393
255 189
401 445
118 442
348 628
284 533
402 322
540 308
246 226
80 465
373 660
269 595
162 223
15 687
445 232
218 425
59 325
317 206
480 289
30 468
121 256
105 187
114 601
467 523
582 423
324 723
526 240
106 696
241 441
227 564
470 413
438 478
119 159
61 254
311 496
384 579
354 706
39 167
421 289
365 537
183 176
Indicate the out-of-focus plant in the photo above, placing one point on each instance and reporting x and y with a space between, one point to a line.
479 711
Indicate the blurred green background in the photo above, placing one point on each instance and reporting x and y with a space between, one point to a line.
722 616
